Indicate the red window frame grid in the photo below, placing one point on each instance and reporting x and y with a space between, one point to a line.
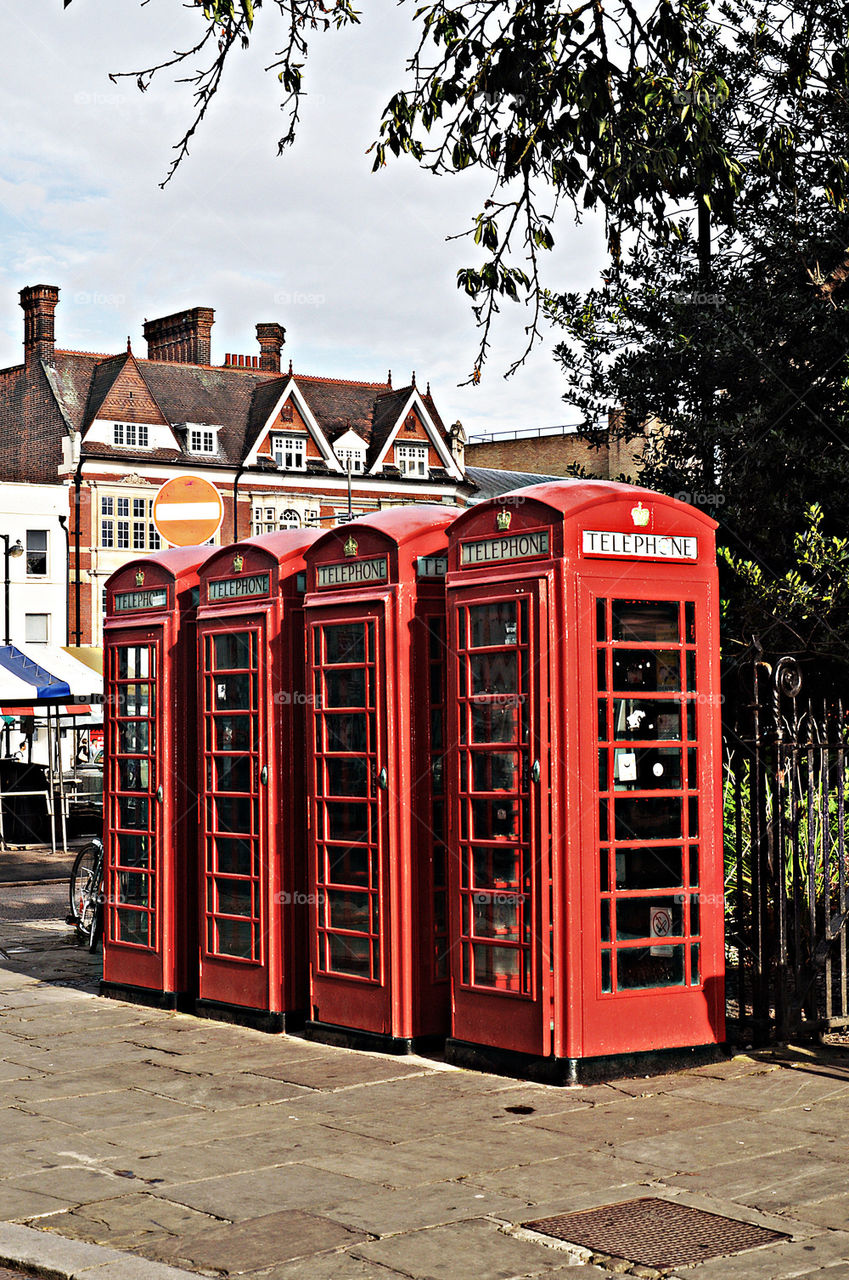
255 717
323 844
688 842
524 944
115 867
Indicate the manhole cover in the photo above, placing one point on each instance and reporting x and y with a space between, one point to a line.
656 1233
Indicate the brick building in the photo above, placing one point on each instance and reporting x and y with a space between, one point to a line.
604 455
284 449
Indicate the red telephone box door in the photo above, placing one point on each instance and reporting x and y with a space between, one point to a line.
351 931
234 941
136 892
502 975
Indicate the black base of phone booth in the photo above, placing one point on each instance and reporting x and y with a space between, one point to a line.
571 1071
257 1019
371 1041
144 995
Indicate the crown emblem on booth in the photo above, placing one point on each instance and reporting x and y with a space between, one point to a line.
351 546
640 515
140 578
502 520
238 563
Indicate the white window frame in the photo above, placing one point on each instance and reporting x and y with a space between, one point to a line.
33 551
411 460
131 435
28 617
358 460
126 523
289 451
202 440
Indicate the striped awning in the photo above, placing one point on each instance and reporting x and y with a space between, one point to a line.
44 674
73 709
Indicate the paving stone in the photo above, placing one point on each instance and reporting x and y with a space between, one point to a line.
778 1090
329 1266
779 1262
248 1195
383 1212
772 1184
706 1148
822 1117
289 1142
474 1249
548 1179
110 1112
220 1092
833 1211
128 1222
16 1203
17 1126
627 1119
72 1184
259 1242
341 1069
195 1128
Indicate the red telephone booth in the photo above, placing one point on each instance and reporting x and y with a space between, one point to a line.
150 805
375 626
584 774
252 859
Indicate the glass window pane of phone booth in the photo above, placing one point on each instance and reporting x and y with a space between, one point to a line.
253 859
149 793
584 681
380 938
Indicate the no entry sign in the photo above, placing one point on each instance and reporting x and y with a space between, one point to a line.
187 511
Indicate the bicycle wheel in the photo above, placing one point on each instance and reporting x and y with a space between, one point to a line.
86 866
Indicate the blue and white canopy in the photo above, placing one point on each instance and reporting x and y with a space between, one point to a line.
45 674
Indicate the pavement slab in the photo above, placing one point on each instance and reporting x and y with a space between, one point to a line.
327 1072
779 1262
779 1090
134 1221
247 1195
703 1149
610 1124
110 1112
50 1255
382 1212
772 1185
549 1179
833 1212
477 1249
259 1242
329 1266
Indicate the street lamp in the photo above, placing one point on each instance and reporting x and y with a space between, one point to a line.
8 552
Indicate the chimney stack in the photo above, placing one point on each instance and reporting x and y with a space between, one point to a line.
183 337
270 338
39 303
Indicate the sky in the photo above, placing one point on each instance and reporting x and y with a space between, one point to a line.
356 266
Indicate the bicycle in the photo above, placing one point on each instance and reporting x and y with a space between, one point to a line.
86 894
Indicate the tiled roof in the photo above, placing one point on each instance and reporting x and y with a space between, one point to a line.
489 482
237 400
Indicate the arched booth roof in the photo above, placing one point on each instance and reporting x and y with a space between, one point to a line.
282 547
402 534
176 561
586 520
569 497
398 524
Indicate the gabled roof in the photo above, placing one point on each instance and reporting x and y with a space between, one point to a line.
43 402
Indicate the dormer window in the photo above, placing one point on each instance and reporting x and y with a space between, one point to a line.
202 440
411 459
356 458
130 435
289 452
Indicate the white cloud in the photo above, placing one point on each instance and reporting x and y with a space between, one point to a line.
355 265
